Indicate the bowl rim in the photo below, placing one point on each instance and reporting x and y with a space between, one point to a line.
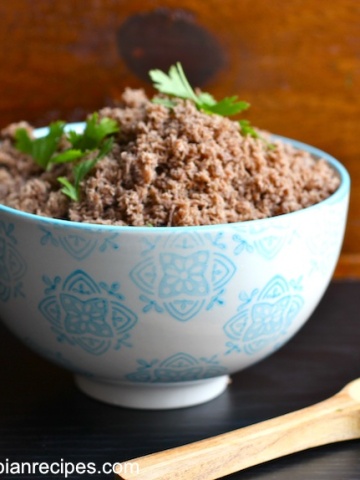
342 191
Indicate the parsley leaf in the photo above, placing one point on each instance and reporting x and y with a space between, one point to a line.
81 170
23 142
175 84
88 148
95 131
247 129
227 106
67 156
41 149
68 189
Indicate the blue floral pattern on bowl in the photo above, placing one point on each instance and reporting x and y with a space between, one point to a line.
181 275
88 314
179 367
12 265
264 316
261 240
78 245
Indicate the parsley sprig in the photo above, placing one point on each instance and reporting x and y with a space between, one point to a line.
175 84
96 141
87 148
41 149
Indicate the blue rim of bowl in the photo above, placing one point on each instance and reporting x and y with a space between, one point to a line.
342 191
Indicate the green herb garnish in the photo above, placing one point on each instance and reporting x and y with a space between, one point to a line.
87 148
95 132
80 171
175 84
96 141
41 149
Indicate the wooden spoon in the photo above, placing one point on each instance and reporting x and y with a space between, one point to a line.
333 420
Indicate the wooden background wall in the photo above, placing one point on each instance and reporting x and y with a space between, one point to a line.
296 61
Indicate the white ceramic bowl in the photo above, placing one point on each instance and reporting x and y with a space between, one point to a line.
159 317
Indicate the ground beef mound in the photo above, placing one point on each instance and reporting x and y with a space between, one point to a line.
171 167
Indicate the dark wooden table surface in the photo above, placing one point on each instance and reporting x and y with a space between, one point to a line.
44 418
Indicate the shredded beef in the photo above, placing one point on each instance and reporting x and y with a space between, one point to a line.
171 167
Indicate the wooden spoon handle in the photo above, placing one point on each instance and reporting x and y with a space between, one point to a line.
333 420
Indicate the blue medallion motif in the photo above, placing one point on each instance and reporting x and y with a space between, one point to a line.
77 245
12 265
263 317
87 314
177 368
182 274
266 242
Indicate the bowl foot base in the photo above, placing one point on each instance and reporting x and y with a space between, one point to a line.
153 396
